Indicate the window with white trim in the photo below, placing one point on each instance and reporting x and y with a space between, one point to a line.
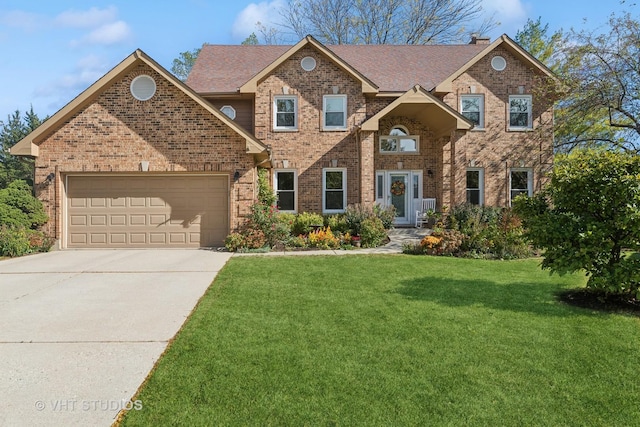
475 186
399 141
334 190
229 111
334 109
285 112
520 182
520 115
472 107
286 183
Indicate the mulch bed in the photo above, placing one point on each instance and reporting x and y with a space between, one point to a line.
600 301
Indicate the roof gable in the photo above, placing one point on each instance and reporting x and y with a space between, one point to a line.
511 46
425 107
28 146
251 85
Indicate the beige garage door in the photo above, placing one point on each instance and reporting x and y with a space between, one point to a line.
114 211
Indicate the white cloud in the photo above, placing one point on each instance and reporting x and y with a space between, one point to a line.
266 12
91 18
112 33
506 11
86 72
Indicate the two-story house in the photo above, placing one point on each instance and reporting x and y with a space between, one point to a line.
140 159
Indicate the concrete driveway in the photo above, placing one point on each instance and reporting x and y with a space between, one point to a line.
80 330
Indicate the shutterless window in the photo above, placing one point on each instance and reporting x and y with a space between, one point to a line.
472 107
334 190
335 111
520 116
520 182
399 141
285 112
285 183
475 186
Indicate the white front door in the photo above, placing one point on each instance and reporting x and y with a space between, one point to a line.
400 189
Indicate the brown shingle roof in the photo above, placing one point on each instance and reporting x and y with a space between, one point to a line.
393 68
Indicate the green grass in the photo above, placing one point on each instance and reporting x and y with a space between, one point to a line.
394 340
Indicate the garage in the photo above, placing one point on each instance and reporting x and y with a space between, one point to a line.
140 211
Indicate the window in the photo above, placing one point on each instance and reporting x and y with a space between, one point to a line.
285 184
334 190
229 111
520 112
285 116
399 141
472 107
335 112
475 186
520 182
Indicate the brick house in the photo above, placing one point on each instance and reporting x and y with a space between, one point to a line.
141 159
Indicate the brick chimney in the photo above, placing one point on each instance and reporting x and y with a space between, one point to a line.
476 39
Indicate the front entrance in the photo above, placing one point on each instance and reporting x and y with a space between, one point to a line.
402 189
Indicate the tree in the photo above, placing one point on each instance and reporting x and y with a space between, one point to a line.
386 21
16 128
601 76
534 38
587 216
251 40
184 63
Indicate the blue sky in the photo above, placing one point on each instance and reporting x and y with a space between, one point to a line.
53 50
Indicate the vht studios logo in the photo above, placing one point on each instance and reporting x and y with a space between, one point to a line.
72 405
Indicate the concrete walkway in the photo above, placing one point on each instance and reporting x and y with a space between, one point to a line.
81 330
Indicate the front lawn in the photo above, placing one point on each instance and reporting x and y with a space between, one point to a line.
394 340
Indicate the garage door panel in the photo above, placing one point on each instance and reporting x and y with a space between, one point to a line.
147 211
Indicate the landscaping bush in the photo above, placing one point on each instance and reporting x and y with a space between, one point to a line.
14 241
372 232
234 242
304 221
386 214
489 232
18 207
323 238
337 222
266 219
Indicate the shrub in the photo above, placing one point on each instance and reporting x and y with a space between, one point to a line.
355 215
296 242
323 238
18 207
266 196
386 214
304 221
253 238
337 222
372 232
14 241
266 219
234 241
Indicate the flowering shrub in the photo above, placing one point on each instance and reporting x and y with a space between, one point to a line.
304 221
323 238
372 232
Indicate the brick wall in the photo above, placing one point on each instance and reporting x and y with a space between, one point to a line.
496 149
115 132
309 149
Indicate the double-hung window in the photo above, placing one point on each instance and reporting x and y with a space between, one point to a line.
285 183
335 112
285 115
472 107
520 182
334 190
520 115
475 186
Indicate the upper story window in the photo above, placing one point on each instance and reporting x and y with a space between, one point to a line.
285 115
399 141
229 111
335 112
472 107
520 115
